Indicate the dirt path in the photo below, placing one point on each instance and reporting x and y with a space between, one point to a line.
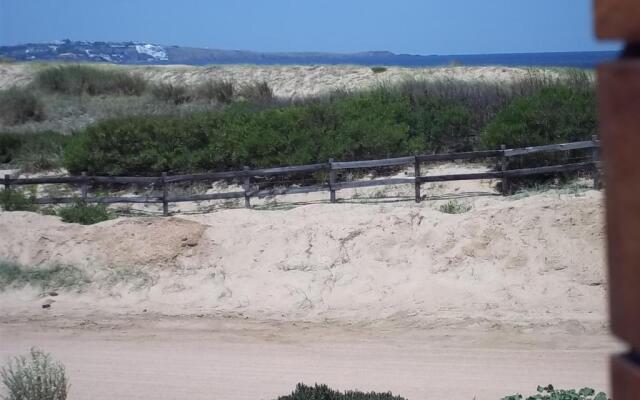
213 359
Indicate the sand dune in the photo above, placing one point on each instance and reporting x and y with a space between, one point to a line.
533 261
292 81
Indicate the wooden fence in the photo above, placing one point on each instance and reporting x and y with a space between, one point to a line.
333 185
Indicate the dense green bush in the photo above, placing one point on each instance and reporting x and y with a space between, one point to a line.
33 151
84 79
556 114
18 106
380 123
85 214
34 377
14 200
322 392
550 393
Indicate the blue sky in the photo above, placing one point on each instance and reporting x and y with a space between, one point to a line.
401 26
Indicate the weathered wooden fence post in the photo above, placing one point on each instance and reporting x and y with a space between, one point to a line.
165 191
595 157
504 166
84 188
417 178
247 189
332 181
7 182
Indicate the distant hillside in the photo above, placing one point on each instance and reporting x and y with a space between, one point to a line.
145 53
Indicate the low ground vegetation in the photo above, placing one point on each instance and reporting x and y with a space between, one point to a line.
35 376
78 213
14 200
83 213
550 393
454 207
56 277
323 392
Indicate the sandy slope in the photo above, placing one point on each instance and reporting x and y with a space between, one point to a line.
536 261
290 81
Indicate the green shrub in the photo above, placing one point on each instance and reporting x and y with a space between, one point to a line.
322 392
10 144
378 70
556 114
258 92
219 91
85 214
14 200
440 125
454 207
35 376
45 278
33 151
18 106
170 93
84 79
380 123
550 393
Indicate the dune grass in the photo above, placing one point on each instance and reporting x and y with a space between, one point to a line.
89 80
20 105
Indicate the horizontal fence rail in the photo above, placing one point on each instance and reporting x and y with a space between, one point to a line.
162 182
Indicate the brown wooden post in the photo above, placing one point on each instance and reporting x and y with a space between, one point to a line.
504 164
247 189
165 195
7 185
84 188
619 118
595 157
417 178
332 182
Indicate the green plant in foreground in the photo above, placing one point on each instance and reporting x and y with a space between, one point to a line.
35 376
33 151
323 392
46 278
550 393
85 214
13 200
454 207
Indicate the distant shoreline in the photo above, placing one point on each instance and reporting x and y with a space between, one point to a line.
132 53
